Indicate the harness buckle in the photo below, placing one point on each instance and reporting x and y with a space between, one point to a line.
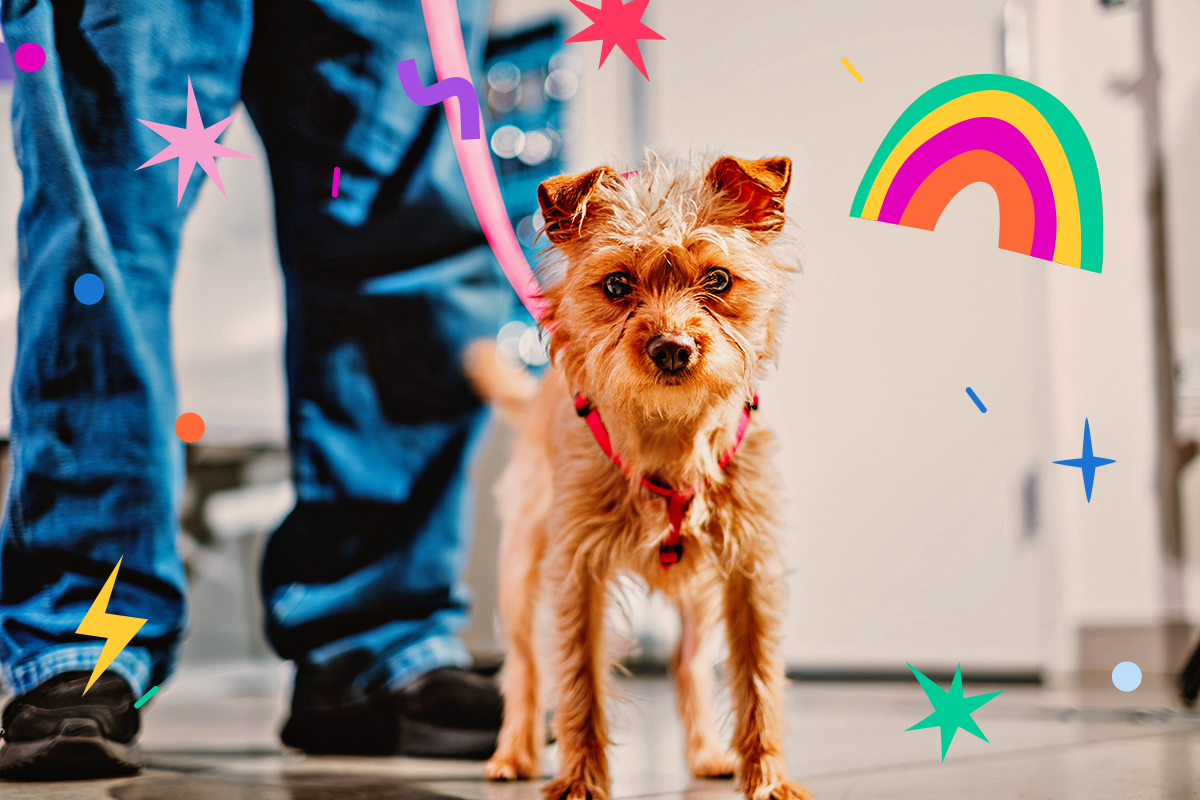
669 554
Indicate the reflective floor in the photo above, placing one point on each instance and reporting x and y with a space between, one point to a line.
212 735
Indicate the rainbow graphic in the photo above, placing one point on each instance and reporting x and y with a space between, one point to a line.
1011 135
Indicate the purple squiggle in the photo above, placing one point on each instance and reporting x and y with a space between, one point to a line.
423 95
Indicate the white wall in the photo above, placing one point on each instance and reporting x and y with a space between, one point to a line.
872 354
1179 25
1100 332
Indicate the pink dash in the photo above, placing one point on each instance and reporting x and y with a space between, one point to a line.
337 171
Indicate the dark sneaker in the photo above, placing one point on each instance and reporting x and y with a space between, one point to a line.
446 713
450 713
54 732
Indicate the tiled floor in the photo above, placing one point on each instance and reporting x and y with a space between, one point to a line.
847 741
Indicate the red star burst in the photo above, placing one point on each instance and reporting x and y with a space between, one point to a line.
617 24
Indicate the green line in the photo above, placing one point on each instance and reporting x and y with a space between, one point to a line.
145 697
1068 130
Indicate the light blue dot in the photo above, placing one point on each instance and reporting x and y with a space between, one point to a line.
89 289
1127 676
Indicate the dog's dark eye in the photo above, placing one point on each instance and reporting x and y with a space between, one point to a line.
718 280
617 285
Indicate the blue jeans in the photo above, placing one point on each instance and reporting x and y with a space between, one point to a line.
385 286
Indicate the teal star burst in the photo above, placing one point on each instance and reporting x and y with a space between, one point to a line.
951 710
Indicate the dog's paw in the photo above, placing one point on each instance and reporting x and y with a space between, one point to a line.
573 789
713 763
509 768
783 790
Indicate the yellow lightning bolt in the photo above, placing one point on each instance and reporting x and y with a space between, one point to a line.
118 630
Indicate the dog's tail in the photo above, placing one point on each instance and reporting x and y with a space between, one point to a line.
510 391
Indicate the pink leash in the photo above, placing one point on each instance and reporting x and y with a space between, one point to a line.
475 161
450 61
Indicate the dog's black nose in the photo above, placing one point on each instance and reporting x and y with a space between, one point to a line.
671 351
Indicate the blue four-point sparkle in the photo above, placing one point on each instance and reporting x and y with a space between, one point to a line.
1088 462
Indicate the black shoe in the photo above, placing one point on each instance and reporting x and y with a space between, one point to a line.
54 732
446 713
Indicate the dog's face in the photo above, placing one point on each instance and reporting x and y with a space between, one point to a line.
671 291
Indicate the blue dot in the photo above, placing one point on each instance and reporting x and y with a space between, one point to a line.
1127 676
89 289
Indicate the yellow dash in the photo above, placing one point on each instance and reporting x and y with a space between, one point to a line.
853 71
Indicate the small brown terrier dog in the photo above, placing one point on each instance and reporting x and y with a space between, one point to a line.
659 328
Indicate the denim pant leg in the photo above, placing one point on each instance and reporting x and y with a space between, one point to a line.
97 468
386 285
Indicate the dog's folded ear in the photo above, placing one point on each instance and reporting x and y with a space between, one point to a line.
564 201
757 189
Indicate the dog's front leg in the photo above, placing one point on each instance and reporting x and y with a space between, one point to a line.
753 611
582 683
694 681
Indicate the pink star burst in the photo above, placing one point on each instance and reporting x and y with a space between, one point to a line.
617 24
193 145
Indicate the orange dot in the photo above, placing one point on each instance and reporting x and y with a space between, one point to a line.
189 427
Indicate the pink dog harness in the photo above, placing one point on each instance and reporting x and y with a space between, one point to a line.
671 550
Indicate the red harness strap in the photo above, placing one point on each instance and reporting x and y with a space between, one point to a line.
671 550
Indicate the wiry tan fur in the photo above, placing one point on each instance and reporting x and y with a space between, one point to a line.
572 520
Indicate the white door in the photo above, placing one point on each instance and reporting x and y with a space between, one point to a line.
905 521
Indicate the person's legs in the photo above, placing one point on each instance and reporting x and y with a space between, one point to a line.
386 284
97 468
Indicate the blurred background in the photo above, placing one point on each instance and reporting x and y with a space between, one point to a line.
916 528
